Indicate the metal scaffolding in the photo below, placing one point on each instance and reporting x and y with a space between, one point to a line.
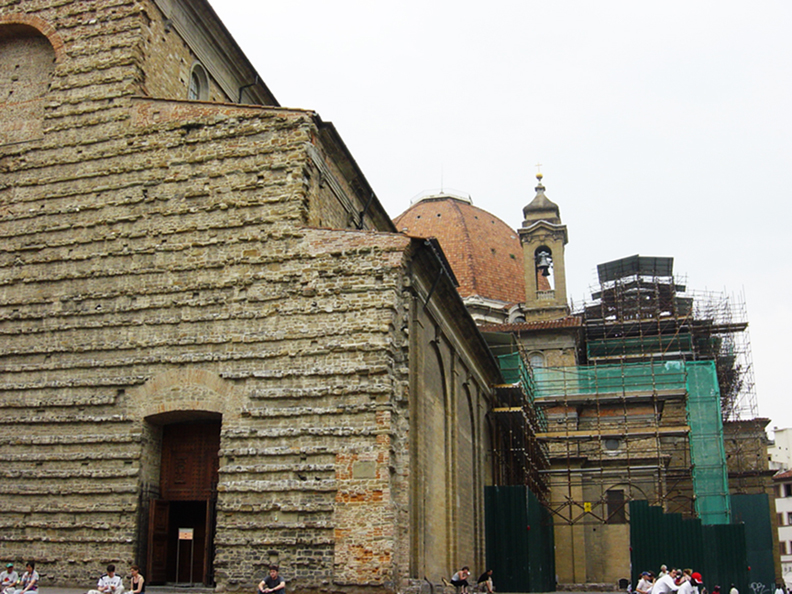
660 370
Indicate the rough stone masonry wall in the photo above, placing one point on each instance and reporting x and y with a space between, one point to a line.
167 60
69 479
154 260
173 245
97 47
307 471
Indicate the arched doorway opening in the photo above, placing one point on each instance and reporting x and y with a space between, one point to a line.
181 515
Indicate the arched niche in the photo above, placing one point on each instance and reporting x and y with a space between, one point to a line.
27 63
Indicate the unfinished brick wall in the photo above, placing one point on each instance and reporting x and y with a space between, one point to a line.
188 252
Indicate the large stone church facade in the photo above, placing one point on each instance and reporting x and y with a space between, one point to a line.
216 353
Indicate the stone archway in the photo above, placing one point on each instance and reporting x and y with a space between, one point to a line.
181 415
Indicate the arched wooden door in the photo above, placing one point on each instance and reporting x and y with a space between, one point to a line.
181 522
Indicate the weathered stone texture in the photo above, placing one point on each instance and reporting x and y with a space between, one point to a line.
168 60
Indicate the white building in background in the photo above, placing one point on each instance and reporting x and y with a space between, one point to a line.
783 502
781 451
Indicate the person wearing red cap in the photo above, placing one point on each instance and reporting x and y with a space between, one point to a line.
691 584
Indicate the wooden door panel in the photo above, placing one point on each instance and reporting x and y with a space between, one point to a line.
189 461
158 541
208 552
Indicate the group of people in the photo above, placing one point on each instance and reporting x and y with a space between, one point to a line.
11 583
460 581
109 583
679 581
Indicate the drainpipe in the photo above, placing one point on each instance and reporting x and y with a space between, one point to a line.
242 88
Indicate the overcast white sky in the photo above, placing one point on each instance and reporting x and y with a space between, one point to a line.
664 128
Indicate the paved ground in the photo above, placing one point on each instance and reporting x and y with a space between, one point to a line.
172 590
149 590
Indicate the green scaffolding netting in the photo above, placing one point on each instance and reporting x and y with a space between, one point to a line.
698 379
710 475
515 371
609 379
639 346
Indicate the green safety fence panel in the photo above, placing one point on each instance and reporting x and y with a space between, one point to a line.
519 540
753 511
710 473
618 347
719 552
600 379
514 371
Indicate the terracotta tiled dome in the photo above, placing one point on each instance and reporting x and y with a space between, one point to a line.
484 252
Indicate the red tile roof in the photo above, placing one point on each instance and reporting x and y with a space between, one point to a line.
484 252
568 322
781 475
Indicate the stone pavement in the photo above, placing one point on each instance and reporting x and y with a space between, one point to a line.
182 590
149 590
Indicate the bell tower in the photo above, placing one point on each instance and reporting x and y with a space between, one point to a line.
543 238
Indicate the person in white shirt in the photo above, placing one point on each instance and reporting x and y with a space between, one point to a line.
690 584
459 579
667 583
8 579
644 584
110 583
